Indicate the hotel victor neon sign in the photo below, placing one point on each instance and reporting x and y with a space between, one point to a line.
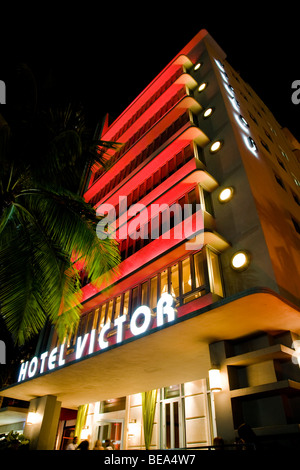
140 322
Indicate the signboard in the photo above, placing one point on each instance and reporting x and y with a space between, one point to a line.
140 322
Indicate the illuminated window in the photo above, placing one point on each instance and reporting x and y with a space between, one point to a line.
117 307
202 86
175 281
115 404
164 282
101 316
215 146
284 154
226 194
109 311
172 391
186 276
296 181
134 299
240 260
199 269
214 273
144 294
126 303
153 292
208 112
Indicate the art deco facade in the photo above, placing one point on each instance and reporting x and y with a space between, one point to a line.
199 136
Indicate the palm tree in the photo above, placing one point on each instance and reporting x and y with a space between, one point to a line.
45 224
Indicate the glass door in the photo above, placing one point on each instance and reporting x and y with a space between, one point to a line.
172 432
111 431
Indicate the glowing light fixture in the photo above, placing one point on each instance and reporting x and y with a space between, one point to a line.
296 354
240 260
251 145
220 65
197 66
215 383
208 112
226 194
32 418
202 86
243 121
216 146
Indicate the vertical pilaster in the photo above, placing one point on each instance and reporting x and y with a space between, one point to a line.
42 431
222 401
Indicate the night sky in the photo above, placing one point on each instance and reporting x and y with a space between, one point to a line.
103 56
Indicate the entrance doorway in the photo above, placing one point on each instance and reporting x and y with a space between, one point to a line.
112 431
172 419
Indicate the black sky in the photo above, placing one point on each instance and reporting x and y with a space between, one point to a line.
104 54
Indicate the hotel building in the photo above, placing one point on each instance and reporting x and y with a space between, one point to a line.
210 285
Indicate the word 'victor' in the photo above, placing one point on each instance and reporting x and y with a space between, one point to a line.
140 322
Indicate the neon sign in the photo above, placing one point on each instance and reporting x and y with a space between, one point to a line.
140 322
249 142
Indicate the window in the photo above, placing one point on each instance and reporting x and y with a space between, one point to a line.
134 299
117 307
109 311
164 282
116 404
296 181
199 269
192 200
126 303
186 276
279 181
153 292
296 225
296 198
265 145
175 281
281 164
144 294
214 273
284 154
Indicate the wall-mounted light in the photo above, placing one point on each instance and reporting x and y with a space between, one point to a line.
208 112
226 194
240 260
133 428
215 383
220 65
296 354
197 66
215 146
32 418
202 86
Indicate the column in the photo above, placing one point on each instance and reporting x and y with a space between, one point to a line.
43 427
222 401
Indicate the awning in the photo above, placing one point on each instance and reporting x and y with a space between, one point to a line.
176 353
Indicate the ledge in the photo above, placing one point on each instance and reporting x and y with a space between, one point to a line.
276 351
